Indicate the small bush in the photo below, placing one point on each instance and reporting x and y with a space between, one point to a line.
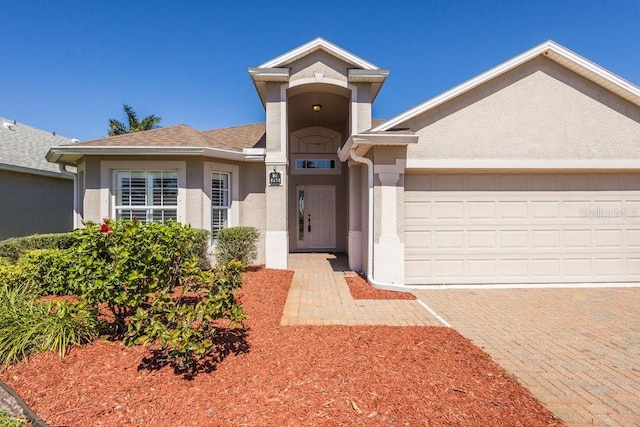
15 247
11 275
6 420
48 269
27 327
237 244
201 247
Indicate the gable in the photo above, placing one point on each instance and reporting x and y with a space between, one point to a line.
319 65
538 110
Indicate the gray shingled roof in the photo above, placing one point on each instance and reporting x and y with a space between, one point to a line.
23 148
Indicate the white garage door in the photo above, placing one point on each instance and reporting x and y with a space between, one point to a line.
522 228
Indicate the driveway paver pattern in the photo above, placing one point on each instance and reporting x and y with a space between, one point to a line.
576 350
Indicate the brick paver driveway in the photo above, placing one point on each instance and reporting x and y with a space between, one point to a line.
577 350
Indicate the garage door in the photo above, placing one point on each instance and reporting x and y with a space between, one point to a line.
522 228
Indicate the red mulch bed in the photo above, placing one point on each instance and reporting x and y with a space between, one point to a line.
284 375
360 289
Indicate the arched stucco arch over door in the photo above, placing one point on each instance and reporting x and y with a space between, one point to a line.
317 194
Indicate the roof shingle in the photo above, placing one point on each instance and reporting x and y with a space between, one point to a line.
24 147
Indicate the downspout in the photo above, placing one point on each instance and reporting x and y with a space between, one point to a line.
63 169
370 234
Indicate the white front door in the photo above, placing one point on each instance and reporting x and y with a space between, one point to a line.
316 217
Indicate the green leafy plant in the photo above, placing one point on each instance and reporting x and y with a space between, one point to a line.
48 269
237 244
15 247
149 277
11 275
7 420
182 323
28 327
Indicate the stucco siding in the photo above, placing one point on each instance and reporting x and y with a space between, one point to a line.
319 62
34 204
539 110
253 202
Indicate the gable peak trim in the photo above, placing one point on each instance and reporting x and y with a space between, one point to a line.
318 44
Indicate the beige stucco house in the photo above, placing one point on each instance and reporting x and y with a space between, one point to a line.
526 174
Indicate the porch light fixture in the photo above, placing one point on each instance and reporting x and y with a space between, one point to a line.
316 107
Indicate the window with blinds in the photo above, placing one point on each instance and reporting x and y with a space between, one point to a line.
220 202
149 196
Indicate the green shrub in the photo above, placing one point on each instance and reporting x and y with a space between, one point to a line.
237 244
27 327
15 247
11 275
201 247
182 323
121 263
149 277
49 270
7 420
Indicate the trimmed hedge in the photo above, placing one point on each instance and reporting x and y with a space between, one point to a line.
48 270
237 244
15 247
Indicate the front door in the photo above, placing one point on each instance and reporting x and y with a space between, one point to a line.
316 216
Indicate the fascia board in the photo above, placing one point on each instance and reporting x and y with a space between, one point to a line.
368 76
248 156
31 171
369 140
385 139
55 154
269 74
312 46
503 68
594 68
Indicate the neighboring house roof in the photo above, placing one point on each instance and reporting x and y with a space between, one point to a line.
550 50
23 149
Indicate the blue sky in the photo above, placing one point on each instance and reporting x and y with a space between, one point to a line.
68 66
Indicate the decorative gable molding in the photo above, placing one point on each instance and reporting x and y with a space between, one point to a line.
314 45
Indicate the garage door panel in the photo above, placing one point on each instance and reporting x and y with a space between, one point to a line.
543 210
633 238
608 238
522 228
632 266
482 268
513 210
578 268
481 239
481 210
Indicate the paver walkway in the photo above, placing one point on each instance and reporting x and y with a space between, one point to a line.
319 295
576 350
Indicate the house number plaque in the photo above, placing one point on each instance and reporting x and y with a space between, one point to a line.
275 178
